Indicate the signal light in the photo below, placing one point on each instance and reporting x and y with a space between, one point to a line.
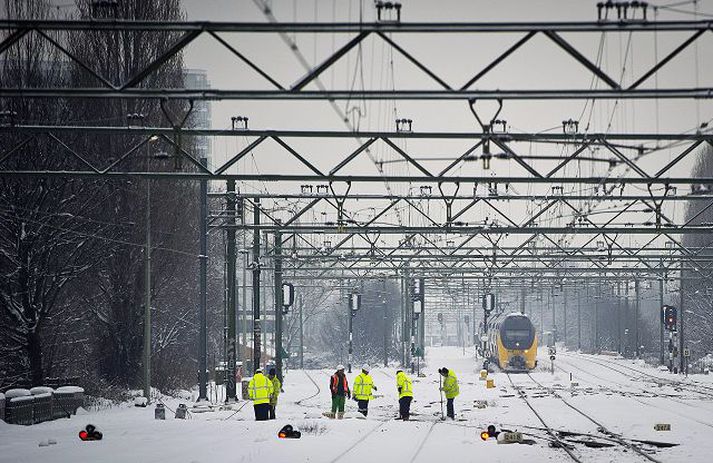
90 433
491 432
288 432
669 317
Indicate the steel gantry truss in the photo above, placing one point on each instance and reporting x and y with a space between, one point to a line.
188 32
463 224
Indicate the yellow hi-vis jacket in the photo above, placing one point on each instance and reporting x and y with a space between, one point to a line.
450 385
404 385
276 386
260 389
362 387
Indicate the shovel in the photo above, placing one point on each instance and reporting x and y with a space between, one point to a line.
440 389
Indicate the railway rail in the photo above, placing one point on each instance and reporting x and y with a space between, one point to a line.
600 427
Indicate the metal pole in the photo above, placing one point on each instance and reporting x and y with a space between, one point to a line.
230 390
257 329
661 333
264 298
387 326
302 333
636 317
408 312
278 303
543 308
422 317
203 337
350 320
522 300
475 331
596 321
244 308
681 314
564 310
402 308
147 302
618 316
579 321
554 315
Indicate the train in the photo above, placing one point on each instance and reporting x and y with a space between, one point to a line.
512 343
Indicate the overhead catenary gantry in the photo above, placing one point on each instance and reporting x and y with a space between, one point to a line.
187 32
460 224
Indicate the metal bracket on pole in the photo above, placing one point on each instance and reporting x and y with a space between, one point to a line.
449 201
177 126
340 200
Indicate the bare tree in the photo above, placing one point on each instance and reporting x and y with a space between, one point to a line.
45 243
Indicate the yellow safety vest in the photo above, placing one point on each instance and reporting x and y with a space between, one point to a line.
404 385
450 385
276 386
260 389
362 387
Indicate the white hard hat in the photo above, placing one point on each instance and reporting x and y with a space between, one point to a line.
258 370
365 367
340 367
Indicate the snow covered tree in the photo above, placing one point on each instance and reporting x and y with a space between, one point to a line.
45 243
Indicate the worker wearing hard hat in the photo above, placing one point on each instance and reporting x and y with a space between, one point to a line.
260 389
363 385
405 388
450 389
339 386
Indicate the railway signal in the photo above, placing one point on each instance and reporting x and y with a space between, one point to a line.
288 297
354 306
669 317
488 303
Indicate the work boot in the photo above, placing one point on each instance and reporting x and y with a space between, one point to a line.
340 415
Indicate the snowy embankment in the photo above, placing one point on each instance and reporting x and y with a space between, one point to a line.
627 398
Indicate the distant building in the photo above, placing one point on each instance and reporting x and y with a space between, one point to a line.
201 117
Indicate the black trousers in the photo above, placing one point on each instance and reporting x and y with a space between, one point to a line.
272 411
405 407
449 409
363 406
262 412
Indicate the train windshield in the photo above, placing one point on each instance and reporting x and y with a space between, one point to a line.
517 332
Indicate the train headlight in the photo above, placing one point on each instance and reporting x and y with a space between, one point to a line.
527 350
484 435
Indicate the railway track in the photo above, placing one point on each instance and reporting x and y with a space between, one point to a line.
299 402
363 439
621 369
556 441
600 427
357 442
650 394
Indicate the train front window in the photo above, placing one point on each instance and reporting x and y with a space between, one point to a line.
517 332
517 335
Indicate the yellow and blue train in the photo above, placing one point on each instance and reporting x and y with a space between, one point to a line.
512 343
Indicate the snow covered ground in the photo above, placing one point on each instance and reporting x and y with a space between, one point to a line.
624 397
